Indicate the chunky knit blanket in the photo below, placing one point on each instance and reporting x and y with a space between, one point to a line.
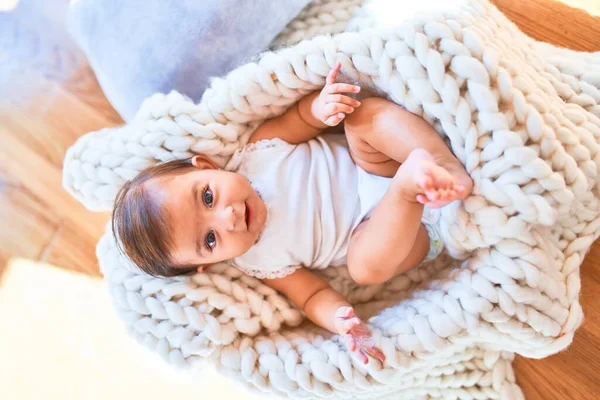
522 116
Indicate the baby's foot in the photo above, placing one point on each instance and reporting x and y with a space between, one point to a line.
457 170
429 183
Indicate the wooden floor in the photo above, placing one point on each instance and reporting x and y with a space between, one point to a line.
49 97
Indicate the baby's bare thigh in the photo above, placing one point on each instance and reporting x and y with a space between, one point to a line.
361 131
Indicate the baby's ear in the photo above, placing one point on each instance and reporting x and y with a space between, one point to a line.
201 162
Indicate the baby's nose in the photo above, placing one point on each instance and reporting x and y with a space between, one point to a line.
228 218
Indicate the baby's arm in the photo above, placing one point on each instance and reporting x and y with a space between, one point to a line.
312 294
306 119
326 308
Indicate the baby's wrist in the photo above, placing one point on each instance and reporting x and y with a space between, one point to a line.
310 110
340 316
317 108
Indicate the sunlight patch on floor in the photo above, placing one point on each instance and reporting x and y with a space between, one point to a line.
60 339
591 6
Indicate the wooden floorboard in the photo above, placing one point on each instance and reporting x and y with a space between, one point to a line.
49 97
73 246
31 227
553 22
575 372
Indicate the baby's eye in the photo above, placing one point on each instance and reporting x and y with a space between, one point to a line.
207 197
211 240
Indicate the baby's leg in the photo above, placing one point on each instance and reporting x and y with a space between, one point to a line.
382 134
393 240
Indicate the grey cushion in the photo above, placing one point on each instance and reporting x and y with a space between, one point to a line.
140 47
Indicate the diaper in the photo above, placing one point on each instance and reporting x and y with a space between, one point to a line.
372 188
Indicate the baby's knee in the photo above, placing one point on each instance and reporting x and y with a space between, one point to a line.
363 275
362 120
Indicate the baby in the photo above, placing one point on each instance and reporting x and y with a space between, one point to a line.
292 200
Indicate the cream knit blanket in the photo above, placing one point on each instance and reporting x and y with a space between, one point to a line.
522 116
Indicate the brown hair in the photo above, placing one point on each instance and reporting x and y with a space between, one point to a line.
138 223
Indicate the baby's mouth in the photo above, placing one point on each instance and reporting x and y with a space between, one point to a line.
247 216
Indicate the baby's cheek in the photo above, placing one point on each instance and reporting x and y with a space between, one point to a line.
249 241
239 244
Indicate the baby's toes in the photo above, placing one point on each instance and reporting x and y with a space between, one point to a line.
448 194
452 195
461 190
465 182
442 194
432 195
445 180
425 180
423 199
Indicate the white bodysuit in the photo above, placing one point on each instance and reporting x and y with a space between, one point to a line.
315 196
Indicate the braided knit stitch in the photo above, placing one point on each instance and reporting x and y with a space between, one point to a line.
522 116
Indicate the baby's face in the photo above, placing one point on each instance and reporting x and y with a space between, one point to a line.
212 215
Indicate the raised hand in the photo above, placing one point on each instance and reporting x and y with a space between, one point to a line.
333 104
356 334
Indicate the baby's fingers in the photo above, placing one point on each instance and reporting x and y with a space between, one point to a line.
335 108
337 88
350 343
334 119
332 76
361 355
344 312
341 99
350 323
375 353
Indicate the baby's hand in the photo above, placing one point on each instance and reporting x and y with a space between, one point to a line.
332 105
357 335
